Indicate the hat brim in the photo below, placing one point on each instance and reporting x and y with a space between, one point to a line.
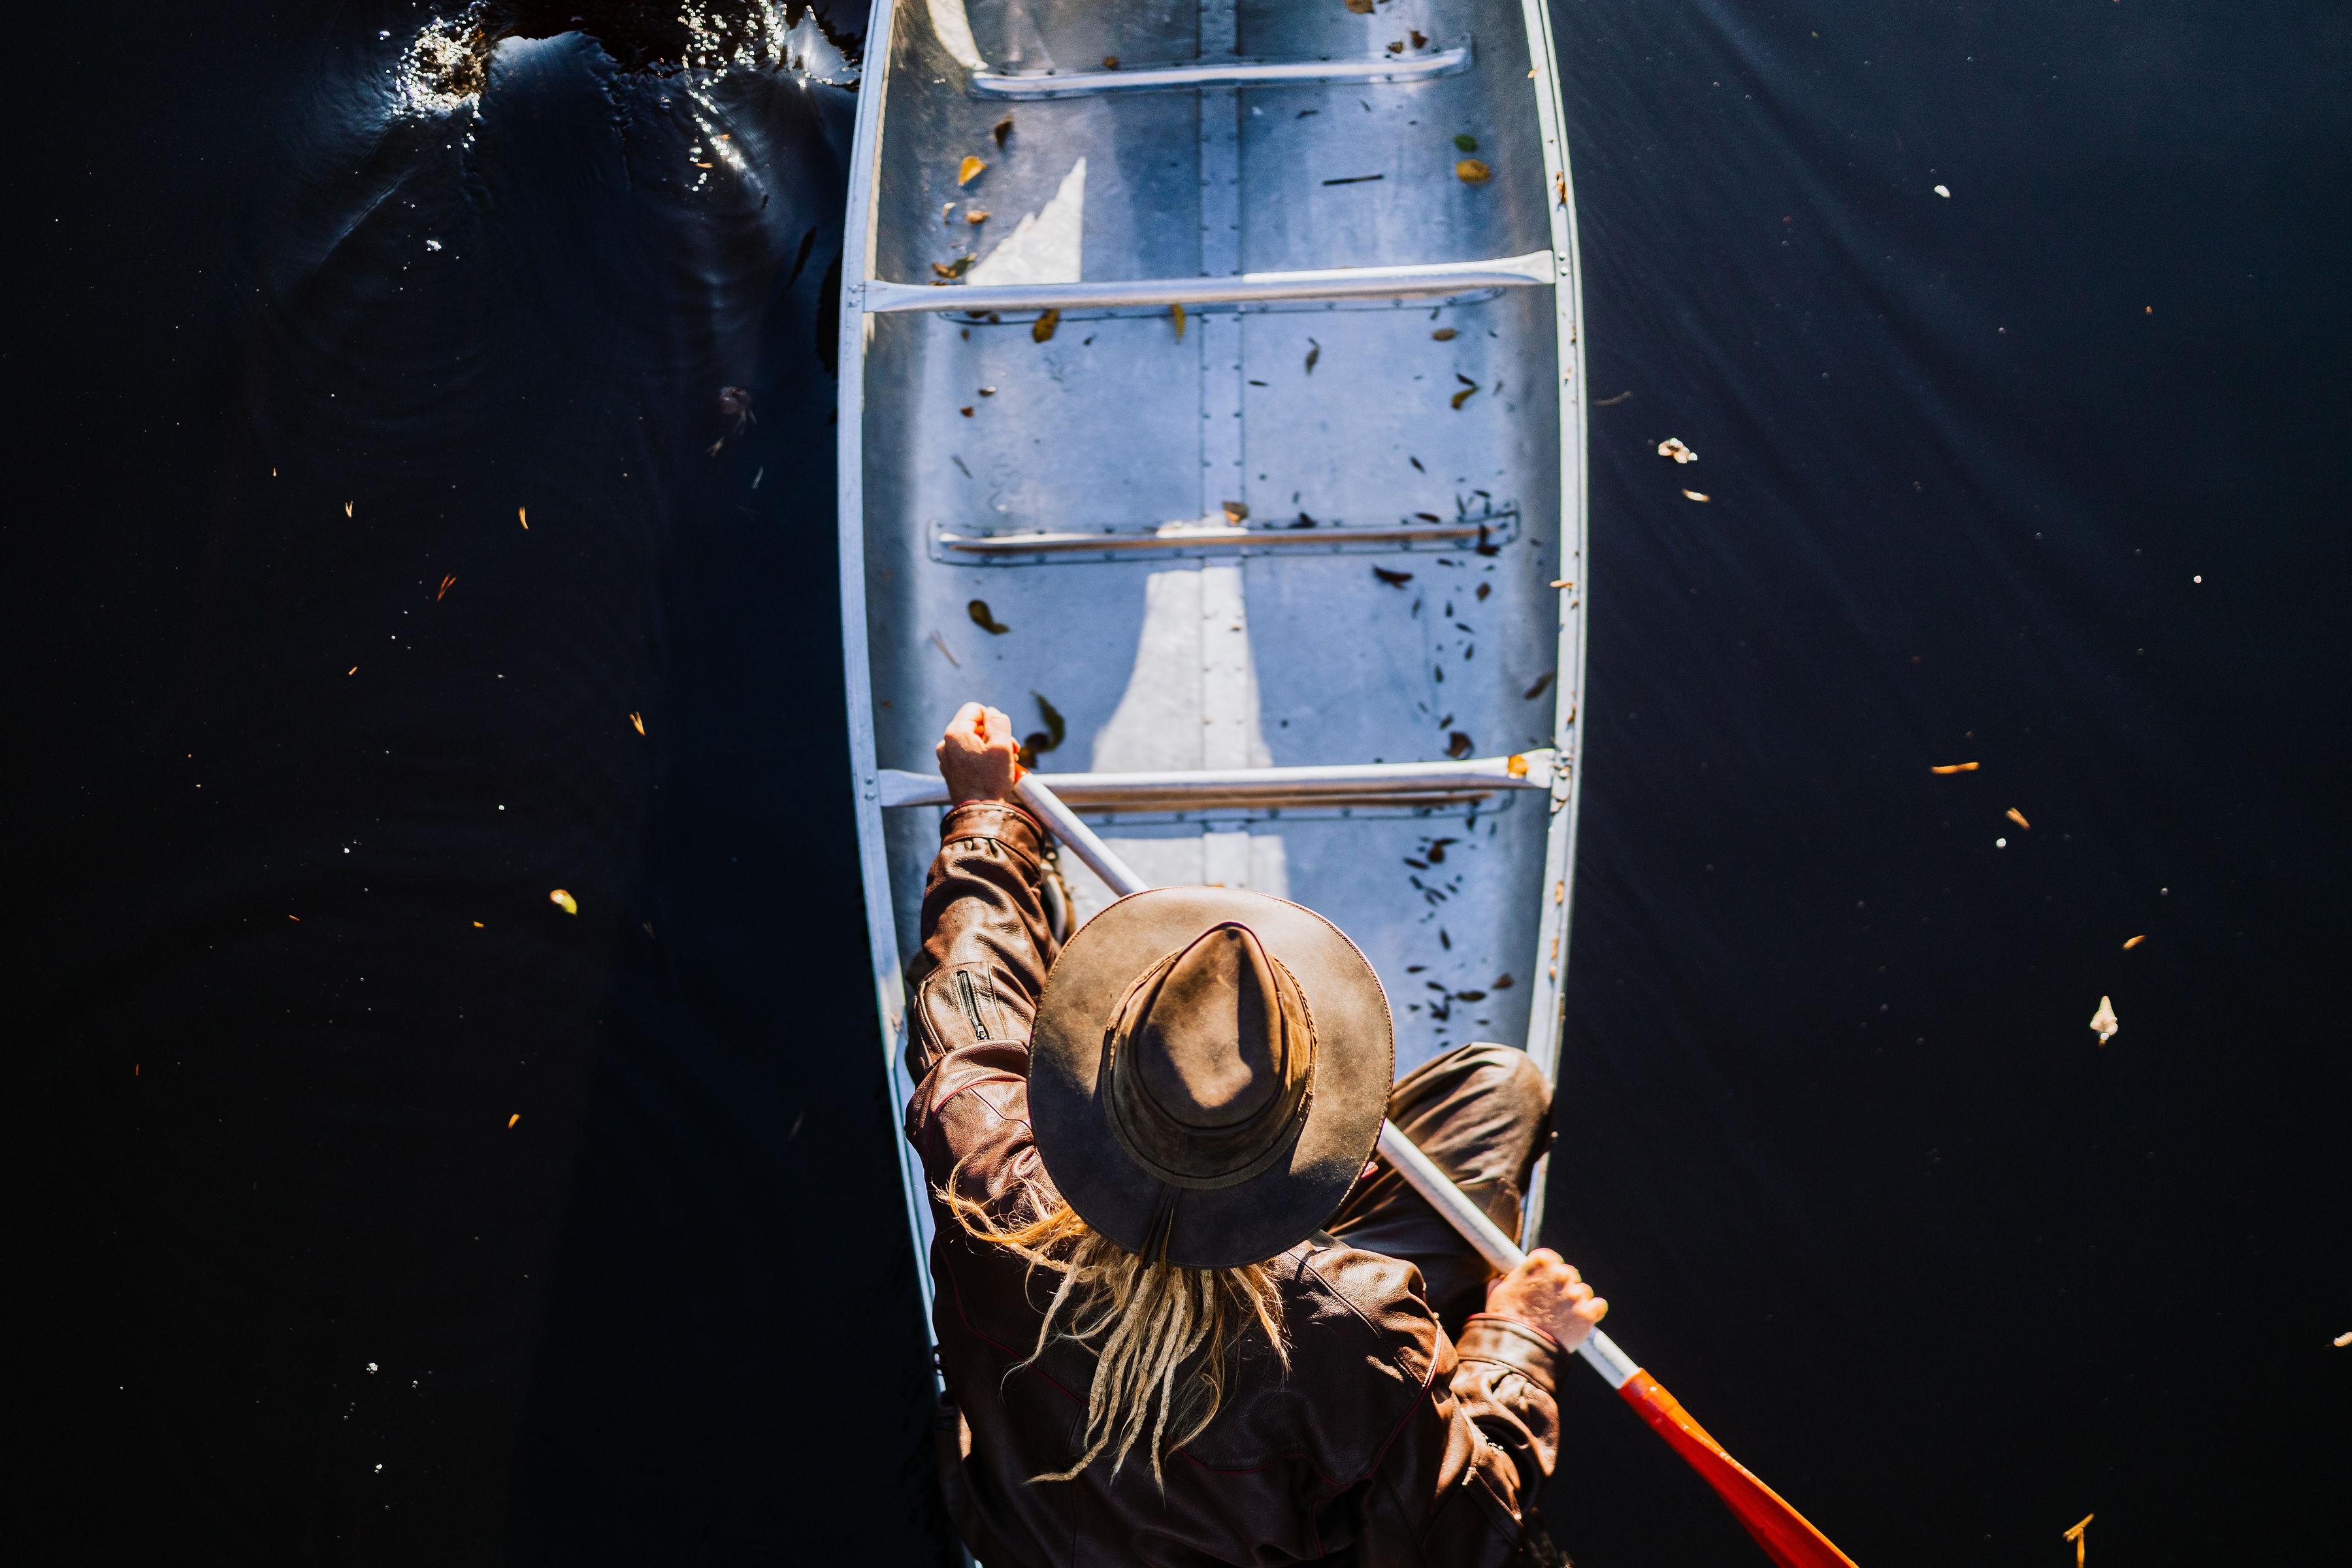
1355 1062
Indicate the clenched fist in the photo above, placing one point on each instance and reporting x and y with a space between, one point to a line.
979 755
1546 1293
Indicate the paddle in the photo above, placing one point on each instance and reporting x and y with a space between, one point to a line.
1785 1536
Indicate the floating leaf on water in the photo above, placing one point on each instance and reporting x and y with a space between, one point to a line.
2133 942
1111 62
976 214
1466 393
1695 495
1237 512
1177 313
969 170
1671 447
2018 817
1397 48
1043 327
1467 144
639 720
981 617
522 515
347 509
446 583
353 670
1471 171
2342 1339
965 411
515 1118
2103 1021
1484 589
1445 334
1004 129
956 268
1457 745
1415 461
564 902
1360 7
988 392
1393 579
1436 850
1314 352
1502 983
1469 995
1532 692
1954 768
1421 41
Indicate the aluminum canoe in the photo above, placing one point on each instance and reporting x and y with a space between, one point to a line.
1238 452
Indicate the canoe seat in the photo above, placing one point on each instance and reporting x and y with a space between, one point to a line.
1455 281
1485 533
986 82
1345 786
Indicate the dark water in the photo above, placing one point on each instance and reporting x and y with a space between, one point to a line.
1865 1190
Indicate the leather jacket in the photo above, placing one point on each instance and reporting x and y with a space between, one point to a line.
1387 1443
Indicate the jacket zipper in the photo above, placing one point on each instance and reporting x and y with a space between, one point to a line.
970 1006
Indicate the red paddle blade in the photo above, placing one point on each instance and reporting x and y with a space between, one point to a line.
1785 1536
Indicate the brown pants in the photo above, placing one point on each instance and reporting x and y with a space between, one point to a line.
1483 1112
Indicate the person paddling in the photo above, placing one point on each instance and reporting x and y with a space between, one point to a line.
1184 1317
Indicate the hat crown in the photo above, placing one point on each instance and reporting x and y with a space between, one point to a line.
1209 1049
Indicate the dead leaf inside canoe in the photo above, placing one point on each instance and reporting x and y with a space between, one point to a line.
1360 7
1445 334
1393 579
1467 144
1458 745
985 619
969 170
1237 512
1176 313
976 214
1469 389
1043 327
1472 171
952 269
1004 129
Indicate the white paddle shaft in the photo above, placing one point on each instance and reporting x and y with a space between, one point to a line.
1419 1171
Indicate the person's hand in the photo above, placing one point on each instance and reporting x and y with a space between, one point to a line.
978 755
1549 1294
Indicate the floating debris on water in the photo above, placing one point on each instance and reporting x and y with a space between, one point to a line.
981 617
1176 313
1445 334
1393 579
1945 192
564 902
1472 171
2018 817
639 720
941 644
1469 389
2103 1021
1671 447
2132 942
970 169
1941 768
2076 1534
1467 144
1314 352
1004 129
1043 328
1693 495
515 1118
1532 692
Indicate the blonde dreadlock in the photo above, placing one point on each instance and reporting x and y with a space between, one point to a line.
1143 1320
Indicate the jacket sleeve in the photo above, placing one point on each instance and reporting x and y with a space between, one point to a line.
986 941
1455 1482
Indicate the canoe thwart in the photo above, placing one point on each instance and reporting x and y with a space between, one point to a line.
1536 270
1201 74
1485 533
1360 784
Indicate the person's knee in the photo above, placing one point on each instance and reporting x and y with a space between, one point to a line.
1503 1069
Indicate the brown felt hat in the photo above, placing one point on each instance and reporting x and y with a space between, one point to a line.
1208 1073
